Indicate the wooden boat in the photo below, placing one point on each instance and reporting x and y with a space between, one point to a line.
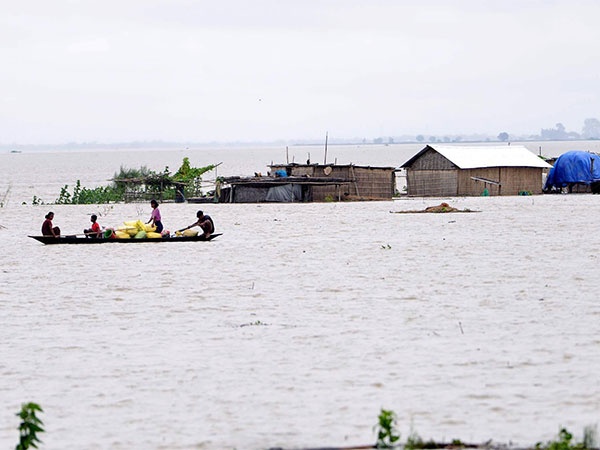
50 240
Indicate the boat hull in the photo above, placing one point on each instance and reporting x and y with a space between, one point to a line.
50 240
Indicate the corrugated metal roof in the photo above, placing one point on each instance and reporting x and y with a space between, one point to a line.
472 157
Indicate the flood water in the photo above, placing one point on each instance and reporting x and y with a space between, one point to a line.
298 324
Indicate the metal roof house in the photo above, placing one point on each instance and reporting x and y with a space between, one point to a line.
448 170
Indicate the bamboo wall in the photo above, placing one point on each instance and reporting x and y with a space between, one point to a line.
374 183
250 194
371 182
432 183
512 179
466 186
446 183
432 160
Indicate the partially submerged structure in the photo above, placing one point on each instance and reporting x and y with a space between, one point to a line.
448 170
150 186
576 170
312 182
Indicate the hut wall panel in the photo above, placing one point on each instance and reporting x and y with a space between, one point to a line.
581 189
275 168
371 182
299 171
321 192
432 160
516 179
467 186
374 183
432 183
513 180
248 194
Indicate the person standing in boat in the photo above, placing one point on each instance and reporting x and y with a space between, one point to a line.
95 231
48 229
155 217
205 222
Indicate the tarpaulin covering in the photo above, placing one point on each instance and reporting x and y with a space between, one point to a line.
285 193
574 167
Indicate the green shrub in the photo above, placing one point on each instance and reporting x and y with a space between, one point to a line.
29 427
387 435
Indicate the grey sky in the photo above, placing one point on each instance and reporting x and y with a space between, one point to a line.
260 70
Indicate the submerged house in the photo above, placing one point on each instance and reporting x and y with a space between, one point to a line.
448 170
312 182
576 170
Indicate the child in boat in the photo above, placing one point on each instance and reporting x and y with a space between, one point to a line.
155 217
48 229
205 222
95 231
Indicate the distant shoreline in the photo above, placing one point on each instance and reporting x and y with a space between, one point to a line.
158 145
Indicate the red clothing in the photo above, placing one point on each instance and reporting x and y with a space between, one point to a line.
96 227
47 228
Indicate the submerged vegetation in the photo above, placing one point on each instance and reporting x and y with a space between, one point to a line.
84 196
387 435
141 183
386 428
564 441
29 427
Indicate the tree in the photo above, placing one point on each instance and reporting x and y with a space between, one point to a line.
503 136
591 129
420 138
432 139
557 134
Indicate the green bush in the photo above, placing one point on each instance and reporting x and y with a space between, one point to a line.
29 427
387 435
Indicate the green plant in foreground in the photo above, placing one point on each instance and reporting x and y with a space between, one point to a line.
564 440
29 427
387 434
37 201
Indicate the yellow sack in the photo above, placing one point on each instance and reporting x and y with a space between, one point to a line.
122 235
140 225
190 233
128 228
131 223
152 235
149 228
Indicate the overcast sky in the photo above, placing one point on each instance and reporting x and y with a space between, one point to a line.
247 70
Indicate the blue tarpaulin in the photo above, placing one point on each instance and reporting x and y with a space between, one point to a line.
574 167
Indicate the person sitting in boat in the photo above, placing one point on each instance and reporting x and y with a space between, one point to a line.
155 217
48 229
205 222
95 231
